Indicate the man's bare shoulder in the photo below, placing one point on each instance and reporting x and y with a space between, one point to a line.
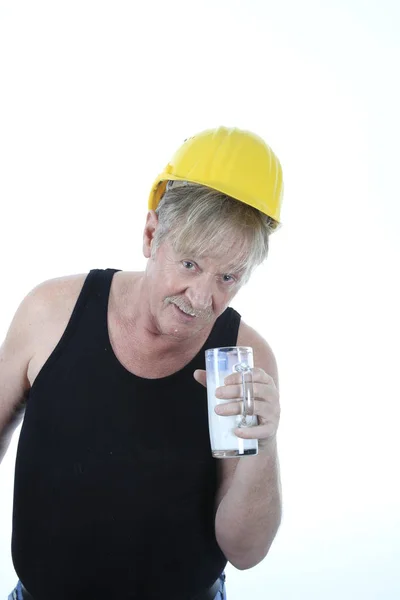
48 308
44 297
51 290
47 303
49 297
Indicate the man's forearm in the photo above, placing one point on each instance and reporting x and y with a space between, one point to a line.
4 443
249 515
7 429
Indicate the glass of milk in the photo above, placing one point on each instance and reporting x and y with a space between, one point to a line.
221 362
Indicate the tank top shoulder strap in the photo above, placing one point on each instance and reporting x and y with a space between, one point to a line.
88 321
93 302
99 283
94 294
226 329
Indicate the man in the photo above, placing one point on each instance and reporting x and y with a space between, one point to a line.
116 492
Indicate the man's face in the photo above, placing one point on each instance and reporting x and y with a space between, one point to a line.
188 293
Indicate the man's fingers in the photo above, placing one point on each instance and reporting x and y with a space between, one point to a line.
260 390
200 376
226 409
259 376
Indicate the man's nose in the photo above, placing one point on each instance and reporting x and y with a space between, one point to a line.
200 293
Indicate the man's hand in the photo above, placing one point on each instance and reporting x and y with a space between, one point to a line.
266 403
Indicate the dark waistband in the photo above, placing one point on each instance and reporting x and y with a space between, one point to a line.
210 593
207 595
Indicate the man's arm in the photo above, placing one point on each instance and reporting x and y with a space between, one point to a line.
14 384
38 324
250 498
16 352
249 505
249 514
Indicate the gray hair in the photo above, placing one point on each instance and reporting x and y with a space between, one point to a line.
197 220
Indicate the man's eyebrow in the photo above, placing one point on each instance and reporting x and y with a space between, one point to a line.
229 269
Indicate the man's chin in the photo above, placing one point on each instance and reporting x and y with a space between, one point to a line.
180 325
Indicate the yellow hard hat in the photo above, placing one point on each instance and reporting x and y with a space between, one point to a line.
236 162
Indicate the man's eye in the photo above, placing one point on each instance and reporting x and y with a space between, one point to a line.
188 265
228 278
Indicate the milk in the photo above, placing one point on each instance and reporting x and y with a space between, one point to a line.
220 363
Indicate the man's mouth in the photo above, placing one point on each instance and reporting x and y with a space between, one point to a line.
184 312
187 311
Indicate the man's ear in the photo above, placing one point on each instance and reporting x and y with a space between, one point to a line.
149 232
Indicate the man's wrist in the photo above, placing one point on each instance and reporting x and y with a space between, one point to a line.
267 446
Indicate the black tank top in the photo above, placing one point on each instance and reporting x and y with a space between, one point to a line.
114 480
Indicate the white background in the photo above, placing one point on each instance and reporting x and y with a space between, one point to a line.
94 99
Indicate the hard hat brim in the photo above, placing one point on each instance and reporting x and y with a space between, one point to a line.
160 184
158 189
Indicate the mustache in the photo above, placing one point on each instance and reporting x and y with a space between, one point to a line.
182 303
